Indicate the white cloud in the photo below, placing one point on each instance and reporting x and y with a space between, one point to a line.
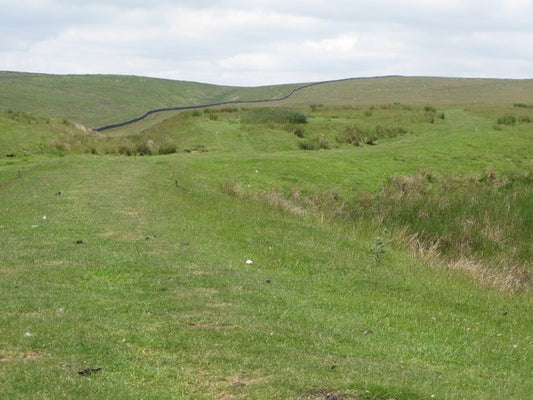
258 42
342 44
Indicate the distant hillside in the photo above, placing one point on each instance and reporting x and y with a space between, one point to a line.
97 100
418 90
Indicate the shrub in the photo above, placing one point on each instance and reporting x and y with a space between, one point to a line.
507 120
167 148
276 115
352 134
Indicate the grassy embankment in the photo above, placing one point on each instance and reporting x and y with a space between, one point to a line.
391 248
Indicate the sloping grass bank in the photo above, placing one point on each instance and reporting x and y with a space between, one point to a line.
482 225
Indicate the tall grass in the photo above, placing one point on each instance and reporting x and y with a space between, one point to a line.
487 220
279 115
357 135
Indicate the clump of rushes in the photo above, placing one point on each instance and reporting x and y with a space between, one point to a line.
507 120
485 219
279 115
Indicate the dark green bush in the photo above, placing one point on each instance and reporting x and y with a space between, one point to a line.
507 120
275 114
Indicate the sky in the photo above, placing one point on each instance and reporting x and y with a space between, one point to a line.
264 42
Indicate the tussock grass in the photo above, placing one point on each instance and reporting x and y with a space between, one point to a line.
278 115
480 224
357 136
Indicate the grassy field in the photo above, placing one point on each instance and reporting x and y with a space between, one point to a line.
389 242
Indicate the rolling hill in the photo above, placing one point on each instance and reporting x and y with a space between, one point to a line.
97 100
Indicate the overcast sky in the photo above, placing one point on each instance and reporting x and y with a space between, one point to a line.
260 42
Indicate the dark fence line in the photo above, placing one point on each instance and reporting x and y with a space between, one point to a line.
146 114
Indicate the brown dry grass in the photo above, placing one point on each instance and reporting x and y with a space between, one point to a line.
510 279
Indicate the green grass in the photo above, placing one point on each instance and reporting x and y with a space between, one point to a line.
139 267
487 220
97 100
417 91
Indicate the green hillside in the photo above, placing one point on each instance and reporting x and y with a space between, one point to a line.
95 100
369 239
419 90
